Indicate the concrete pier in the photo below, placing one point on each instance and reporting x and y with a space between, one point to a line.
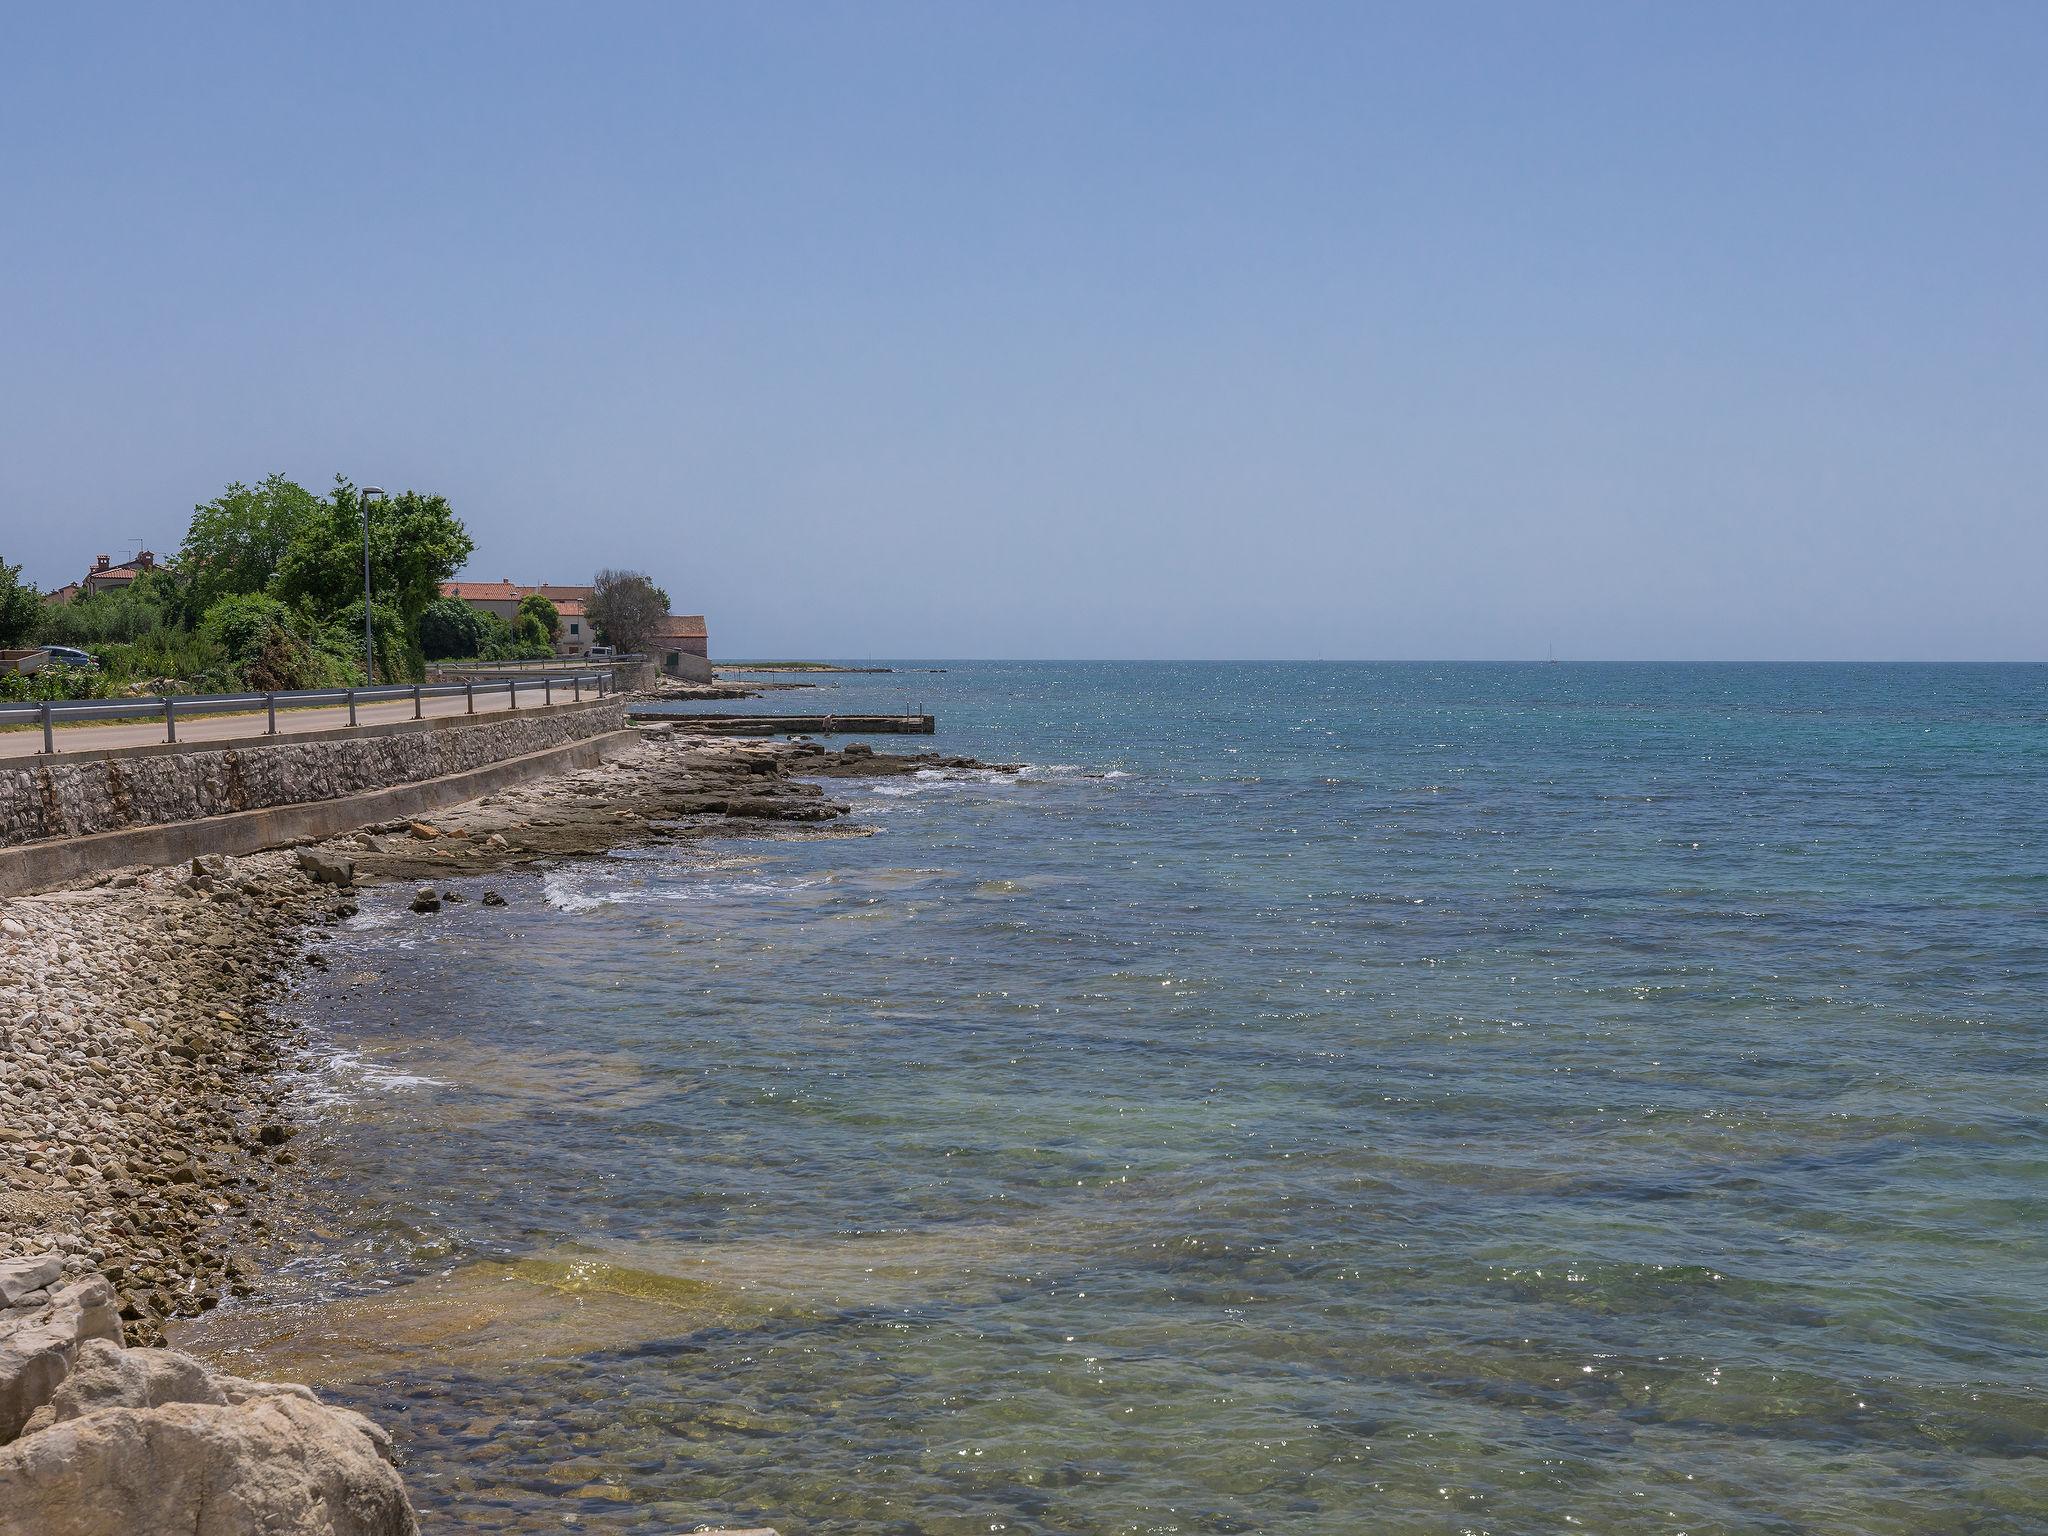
789 725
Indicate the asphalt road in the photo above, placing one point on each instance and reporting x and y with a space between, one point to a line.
198 729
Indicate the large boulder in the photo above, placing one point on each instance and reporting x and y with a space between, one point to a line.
108 1376
271 1464
20 1278
37 1348
328 868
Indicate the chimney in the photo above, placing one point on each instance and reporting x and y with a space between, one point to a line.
99 562
146 561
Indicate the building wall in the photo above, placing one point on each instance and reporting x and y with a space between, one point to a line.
689 665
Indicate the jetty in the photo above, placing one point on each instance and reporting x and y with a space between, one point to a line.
787 725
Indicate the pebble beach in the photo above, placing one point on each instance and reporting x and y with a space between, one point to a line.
143 1129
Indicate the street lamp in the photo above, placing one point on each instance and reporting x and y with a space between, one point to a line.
369 650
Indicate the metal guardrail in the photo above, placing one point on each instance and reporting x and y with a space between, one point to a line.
633 658
170 708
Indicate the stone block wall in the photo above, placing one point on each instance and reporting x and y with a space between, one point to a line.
56 797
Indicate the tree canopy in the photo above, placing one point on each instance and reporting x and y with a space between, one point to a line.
237 543
21 607
416 543
626 609
544 613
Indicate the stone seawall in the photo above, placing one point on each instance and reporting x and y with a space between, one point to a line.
80 796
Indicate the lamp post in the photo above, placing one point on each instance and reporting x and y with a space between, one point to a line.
369 649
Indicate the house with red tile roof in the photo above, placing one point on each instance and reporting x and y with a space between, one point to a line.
105 576
502 598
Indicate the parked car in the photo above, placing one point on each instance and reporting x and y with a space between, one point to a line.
602 652
71 656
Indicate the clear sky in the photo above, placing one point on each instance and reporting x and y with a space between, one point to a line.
1095 329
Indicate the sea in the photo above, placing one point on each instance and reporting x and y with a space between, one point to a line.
1307 1098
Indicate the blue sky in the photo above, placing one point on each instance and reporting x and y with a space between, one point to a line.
1072 329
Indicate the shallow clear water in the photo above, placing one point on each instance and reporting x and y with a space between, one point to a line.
1314 1098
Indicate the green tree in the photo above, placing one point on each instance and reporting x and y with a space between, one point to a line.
21 607
626 609
543 613
416 543
237 542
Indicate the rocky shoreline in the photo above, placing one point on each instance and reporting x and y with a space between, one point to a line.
142 1076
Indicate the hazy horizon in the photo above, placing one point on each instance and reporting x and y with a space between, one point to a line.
1072 332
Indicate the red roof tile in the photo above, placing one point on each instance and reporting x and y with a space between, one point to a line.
508 592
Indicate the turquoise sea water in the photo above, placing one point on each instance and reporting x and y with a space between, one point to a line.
1312 1098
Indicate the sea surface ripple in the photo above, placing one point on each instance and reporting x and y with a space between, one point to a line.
1313 1098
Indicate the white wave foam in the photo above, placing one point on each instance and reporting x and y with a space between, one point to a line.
925 780
345 1075
586 888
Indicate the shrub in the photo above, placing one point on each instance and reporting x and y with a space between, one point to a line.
269 647
182 657
55 683
451 630
239 625
107 618
397 644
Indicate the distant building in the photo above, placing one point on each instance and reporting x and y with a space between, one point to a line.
503 597
576 637
105 576
682 647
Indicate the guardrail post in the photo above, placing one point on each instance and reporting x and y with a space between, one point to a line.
547 690
49 741
170 719
576 682
416 701
512 690
270 709
469 694
351 706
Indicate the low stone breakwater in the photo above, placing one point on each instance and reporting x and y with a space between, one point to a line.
144 1124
